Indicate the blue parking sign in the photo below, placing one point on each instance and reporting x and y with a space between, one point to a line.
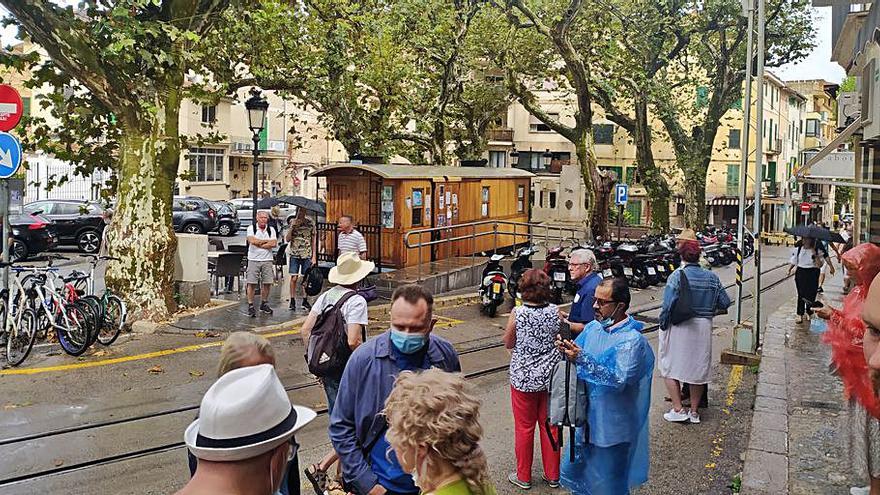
621 194
10 155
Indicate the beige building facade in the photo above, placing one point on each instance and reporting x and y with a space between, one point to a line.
292 146
522 141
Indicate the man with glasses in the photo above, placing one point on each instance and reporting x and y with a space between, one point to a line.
581 266
357 427
610 455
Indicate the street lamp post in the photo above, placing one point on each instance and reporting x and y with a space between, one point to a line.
257 106
514 158
548 157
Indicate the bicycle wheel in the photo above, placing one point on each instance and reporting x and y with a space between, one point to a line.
95 311
73 329
93 318
21 340
114 318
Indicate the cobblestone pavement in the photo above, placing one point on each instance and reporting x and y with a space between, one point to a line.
796 444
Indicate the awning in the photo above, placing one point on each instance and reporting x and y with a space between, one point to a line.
832 146
722 202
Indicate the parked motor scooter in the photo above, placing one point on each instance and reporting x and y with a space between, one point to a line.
519 266
556 267
492 287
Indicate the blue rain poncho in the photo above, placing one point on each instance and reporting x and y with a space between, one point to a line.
617 363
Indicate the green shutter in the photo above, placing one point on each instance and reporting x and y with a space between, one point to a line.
634 212
702 97
26 106
732 179
737 105
630 175
770 174
264 135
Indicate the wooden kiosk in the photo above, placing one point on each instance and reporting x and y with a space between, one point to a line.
396 199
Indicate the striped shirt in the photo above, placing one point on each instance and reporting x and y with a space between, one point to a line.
351 243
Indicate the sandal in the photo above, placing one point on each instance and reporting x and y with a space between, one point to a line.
317 477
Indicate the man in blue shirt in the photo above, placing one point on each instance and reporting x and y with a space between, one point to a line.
581 266
356 428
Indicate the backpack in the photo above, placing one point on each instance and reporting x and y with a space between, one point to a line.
328 349
314 281
567 407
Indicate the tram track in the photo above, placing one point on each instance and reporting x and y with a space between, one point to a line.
171 446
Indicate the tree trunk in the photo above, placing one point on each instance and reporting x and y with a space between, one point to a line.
650 175
587 162
141 233
694 168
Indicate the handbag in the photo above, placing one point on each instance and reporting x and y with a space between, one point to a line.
682 310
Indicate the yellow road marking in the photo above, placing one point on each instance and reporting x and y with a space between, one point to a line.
446 322
733 382
135 357
443 322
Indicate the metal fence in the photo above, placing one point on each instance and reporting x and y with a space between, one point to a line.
535 233
328 238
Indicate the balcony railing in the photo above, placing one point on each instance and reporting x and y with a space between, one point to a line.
771 189
774 145
500 134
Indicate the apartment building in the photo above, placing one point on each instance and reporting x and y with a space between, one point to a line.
520 140
855 37
292 145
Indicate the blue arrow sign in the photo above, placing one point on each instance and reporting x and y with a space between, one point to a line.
10 155
621 194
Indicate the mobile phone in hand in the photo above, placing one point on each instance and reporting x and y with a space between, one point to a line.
564 330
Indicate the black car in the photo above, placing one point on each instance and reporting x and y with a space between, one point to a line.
77 223
193 215
31 235
228 222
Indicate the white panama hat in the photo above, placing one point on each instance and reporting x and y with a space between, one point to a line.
350 269
245 413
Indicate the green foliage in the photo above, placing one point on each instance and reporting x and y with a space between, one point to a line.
843 195
848 84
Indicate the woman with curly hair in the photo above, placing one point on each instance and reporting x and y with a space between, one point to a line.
434 430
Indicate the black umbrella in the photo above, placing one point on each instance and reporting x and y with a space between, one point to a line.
815 232
298 201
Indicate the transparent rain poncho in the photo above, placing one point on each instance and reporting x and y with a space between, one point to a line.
617 365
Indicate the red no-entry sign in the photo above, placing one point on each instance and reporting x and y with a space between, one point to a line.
805 207
11 107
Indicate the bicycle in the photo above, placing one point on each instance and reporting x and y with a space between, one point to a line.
73 322
110 307
19 325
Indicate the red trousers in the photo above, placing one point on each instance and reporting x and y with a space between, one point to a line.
530 409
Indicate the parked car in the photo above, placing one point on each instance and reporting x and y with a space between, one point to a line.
193 215
227 218
31 235
77 223
245 206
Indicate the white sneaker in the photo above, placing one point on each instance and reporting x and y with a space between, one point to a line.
694 417
860 490
799 319
674 416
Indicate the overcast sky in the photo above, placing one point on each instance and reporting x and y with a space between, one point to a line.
817 65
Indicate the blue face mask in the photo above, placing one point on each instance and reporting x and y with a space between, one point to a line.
408 343
607 322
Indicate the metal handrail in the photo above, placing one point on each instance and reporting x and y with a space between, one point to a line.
573 231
